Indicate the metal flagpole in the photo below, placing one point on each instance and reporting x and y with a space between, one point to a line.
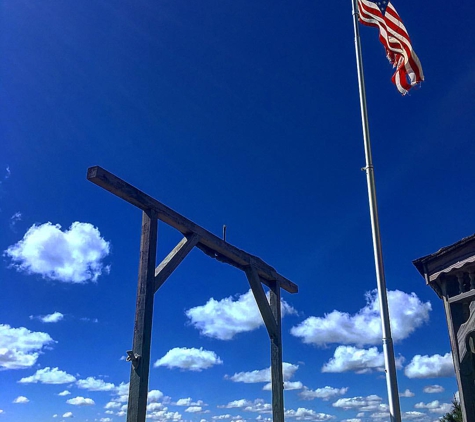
388 349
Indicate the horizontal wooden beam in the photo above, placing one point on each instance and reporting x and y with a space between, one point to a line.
208 242
462 297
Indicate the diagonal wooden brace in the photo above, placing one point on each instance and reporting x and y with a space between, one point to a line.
174 258
262 302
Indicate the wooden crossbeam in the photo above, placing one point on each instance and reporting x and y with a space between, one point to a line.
208 242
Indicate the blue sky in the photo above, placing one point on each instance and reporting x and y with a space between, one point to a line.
244 113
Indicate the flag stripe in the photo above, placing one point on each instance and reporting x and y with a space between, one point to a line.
395 39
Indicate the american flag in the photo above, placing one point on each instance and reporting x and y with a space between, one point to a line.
394 37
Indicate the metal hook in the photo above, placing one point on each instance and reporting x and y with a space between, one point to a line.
132 357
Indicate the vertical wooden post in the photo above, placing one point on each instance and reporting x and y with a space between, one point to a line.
276 356
140 353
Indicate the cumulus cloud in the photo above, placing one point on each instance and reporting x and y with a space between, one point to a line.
361 361
236 404
154 396
258 405
81 401
225 318
50 318
68 415
364 328
370 403
189 402
435 407
325 393
71 256
49 376
302 414
407 393
93 384
189 359
288 385
196 409
64 393
20 347
263 375
21 399
414 415
163 415
432 389
435 366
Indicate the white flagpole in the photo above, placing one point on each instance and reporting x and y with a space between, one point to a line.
388 349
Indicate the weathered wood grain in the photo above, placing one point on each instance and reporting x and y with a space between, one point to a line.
276 356
139 372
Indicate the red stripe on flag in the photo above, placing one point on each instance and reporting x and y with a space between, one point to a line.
395 39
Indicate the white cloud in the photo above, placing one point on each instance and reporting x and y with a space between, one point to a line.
64 393
432 389
189 402
325 393
380 415
184 402
154 396
194 409
92 384
49 376
288 385
21 399
263 375
112 405
54 317
81 401
435 407
123 389
257 405
225 318
364 328
165 415
414 415
189 359
435 366
361 361
14 219
236 404
407 393
20 347
68 415
362 404
72 256
302 414
153 407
